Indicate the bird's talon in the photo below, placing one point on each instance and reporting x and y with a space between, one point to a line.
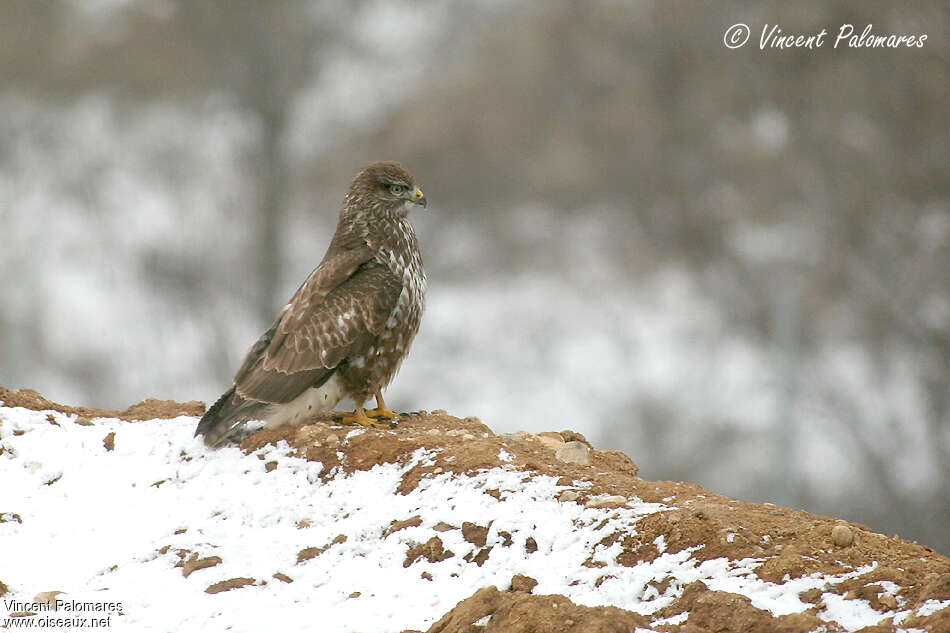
381 412
367 422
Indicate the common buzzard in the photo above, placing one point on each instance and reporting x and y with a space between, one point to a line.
348 327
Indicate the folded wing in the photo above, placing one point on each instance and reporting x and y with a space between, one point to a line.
337 313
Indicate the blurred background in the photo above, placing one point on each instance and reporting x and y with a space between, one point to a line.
733 265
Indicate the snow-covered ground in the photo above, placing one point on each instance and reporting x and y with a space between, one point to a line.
105 527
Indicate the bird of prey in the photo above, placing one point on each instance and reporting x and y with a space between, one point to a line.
347 329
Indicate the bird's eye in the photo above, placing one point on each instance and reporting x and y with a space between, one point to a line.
397 190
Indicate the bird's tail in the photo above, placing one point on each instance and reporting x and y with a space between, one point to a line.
226 415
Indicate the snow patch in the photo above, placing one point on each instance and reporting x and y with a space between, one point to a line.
932 606
673 619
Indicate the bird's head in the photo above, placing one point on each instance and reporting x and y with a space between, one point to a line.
386 188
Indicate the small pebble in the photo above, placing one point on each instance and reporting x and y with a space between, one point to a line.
842 536
552 444
550 440
606 501
574 453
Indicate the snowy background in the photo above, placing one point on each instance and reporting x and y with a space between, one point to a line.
731 264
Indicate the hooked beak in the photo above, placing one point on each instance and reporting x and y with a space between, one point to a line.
419 198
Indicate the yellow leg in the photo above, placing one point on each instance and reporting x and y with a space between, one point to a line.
381 411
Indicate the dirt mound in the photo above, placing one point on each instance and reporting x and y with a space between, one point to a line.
520 612
834 575
148 409
901 576
492 611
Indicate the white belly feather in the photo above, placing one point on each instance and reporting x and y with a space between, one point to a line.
312 401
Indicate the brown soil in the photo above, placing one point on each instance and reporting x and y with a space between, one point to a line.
228 585
148 409
792 543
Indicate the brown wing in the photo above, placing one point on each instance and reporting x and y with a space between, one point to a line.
325 322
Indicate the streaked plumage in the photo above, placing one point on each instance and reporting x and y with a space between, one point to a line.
347 329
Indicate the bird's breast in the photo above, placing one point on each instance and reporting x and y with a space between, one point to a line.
374 367
402 256
405 261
